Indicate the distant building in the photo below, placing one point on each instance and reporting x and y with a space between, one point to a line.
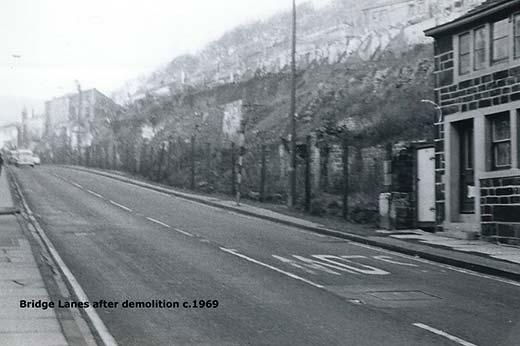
73 120
477 85
9 136
385 13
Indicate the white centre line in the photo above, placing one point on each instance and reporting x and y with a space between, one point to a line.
252 260
157 222
183 232
94 193
77 185
444 334
120 206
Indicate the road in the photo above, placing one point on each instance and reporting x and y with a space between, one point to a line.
275 285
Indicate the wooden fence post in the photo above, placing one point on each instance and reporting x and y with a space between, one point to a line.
263 174
192 180
308 174
161 161
345 177
233 170
208 163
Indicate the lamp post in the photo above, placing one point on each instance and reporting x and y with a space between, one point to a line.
436 121
292 111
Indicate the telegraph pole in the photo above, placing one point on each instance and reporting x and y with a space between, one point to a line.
292 111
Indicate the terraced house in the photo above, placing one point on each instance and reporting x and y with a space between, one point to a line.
477 86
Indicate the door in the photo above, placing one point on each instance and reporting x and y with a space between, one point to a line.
466 171
426 185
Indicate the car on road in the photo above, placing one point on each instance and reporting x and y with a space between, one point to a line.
11 157
36 159
24 157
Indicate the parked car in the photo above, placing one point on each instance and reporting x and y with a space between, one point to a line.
11 157
36 159
24 157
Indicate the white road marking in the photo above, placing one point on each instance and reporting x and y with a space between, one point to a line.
183 232
387 259
418 259
435 264
157 222
252 260
314 264
96 321
444 334
77 185
94 193
305 266
344 262
120 206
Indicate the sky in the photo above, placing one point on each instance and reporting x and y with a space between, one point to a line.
48 45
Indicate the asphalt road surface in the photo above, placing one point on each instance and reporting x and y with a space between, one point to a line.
275 285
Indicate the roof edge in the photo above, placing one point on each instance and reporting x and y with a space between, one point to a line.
435 31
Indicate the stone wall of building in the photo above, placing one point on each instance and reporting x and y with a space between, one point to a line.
489 90
500 87
500 209
443 50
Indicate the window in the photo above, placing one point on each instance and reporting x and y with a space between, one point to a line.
517 35
500 140
479 48
464 56
500 43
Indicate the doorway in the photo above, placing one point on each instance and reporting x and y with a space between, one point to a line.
466 168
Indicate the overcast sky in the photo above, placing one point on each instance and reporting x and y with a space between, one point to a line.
45 45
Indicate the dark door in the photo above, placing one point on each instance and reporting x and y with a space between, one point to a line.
467 174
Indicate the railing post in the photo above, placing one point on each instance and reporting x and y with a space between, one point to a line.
263 174
308 174
192 180
233 170
345 177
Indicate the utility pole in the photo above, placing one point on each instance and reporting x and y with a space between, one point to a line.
292 111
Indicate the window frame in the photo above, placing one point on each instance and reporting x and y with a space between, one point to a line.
493 39
468 53
483 49
495 143
516 35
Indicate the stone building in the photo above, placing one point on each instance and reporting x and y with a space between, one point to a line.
73 120
477 70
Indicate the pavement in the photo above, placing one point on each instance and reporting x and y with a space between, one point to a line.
477 255
21 279
6 202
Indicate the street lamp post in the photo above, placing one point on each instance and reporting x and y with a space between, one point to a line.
436 121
